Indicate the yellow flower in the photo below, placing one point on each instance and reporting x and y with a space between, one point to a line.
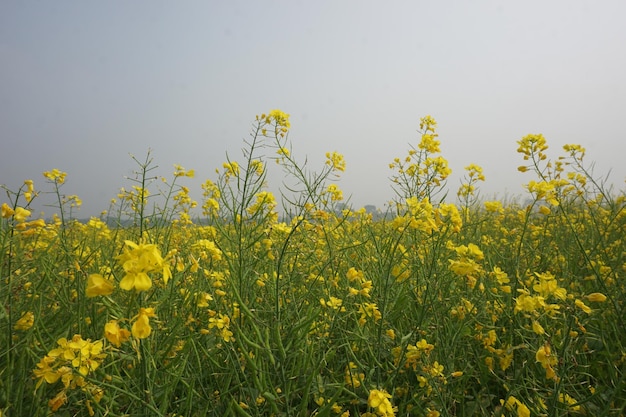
45 371
582 306
544 210
522 410
352 377
283 151
25 322
335 193
548 285
137 260
379 401
573 149
527 303
429 143
569 401
428 123
280 117
333 302
21 214
141 327
538 328
231 169
30 189
58 400
98 285
7 211
597 297
115 334
137 280
531 144
335 161
55 176
547 359
511 402
436 369
494 207
424 346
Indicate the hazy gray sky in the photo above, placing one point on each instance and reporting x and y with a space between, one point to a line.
83 84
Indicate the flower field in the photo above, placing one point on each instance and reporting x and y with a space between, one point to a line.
249 303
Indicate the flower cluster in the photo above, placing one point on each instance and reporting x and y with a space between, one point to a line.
137 261
379 401
71 362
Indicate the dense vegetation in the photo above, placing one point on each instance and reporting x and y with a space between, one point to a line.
433 308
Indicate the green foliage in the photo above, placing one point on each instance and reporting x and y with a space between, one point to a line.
430 309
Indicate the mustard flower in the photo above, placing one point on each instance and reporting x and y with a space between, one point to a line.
231 169
98 285
451 213
45 371
141 327
7 212
429 143
532 144
335 193
265 202
55 176
512 402
544 190
352 377
114 334
25 322
222 324
573 149
547 359
257 166
436 369
379 401
280 118
439 167
335 161
475 171
584 307
527 303
494 207
548 285
368 310
428 123
181 172
21 214
596 297
538 328
30 189
500 276
333 302
83 355
57 401
137 260
571 403
139 281
282 151
424 346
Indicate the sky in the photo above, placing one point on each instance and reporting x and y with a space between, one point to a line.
84 85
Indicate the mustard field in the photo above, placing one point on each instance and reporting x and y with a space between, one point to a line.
253 303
